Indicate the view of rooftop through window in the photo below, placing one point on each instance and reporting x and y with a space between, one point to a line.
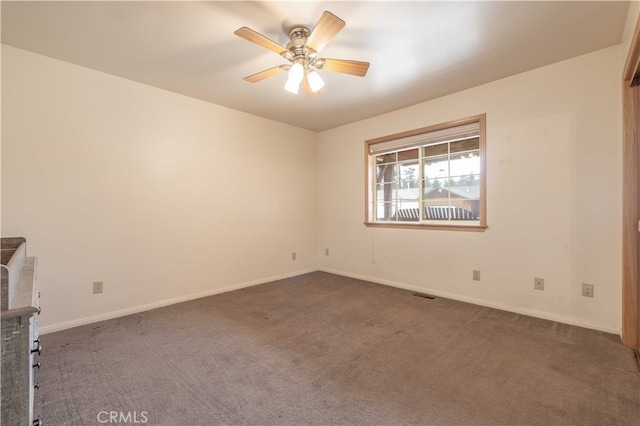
446 174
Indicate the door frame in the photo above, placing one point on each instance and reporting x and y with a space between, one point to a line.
630 195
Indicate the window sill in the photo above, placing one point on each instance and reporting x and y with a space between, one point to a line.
423 226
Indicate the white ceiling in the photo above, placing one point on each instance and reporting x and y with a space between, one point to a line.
418 50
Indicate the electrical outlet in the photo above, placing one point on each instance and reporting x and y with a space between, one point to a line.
98 287
538 283
326 252
587 290
293 256
476 275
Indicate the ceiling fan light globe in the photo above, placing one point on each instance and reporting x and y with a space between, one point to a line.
296 73
292 86
315 81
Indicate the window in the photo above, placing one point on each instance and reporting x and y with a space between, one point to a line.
430 178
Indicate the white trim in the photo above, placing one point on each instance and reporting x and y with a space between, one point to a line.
482 302
141 308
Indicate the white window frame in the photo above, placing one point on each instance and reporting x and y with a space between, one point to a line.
440 133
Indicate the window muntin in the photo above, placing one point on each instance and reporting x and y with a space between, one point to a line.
433 176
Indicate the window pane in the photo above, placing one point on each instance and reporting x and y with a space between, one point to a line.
435 150
465 190
404 213
385 173
409 175
467 164
465 145
437 209
386 158
385 211
473 206
385 192
411 154
455 210
438 196
436 168
435 188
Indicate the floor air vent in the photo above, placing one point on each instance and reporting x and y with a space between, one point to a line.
424 296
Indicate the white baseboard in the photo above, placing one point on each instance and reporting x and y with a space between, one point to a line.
482 302
141 308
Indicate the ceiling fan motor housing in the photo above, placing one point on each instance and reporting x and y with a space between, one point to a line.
298 36
299 52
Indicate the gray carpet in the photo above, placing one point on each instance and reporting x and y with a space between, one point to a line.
325 349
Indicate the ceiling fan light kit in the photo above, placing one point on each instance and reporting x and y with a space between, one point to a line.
302 52
315 81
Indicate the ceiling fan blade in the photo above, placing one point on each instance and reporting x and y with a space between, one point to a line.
346 67
326 29
260 40
264 74
307 88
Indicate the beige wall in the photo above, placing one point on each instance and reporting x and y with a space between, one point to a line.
165 197
553 197
161 196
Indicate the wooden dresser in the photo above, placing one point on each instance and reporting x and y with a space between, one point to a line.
21 349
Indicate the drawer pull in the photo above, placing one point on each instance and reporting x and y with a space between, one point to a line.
37 386
38 349
36 365
38 422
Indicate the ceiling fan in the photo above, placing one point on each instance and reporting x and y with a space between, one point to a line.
302 53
